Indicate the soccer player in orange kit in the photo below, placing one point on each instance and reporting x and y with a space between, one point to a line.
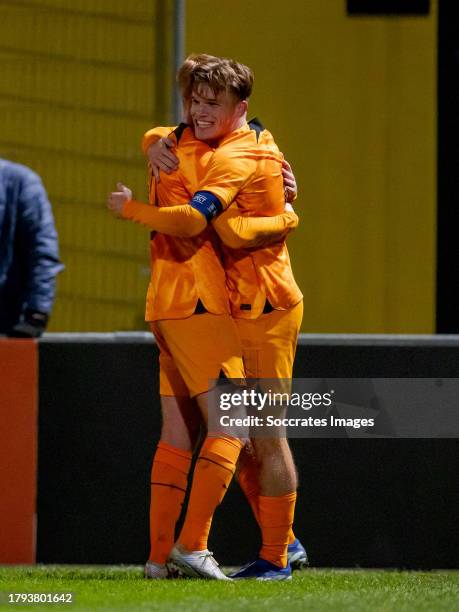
268 349
245 167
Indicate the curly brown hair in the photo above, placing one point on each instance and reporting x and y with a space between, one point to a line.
217 73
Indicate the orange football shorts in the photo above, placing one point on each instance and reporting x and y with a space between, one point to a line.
193 351
269 342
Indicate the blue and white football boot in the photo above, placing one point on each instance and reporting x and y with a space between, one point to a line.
263 570
297 555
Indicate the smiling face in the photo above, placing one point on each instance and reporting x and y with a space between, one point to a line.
215 115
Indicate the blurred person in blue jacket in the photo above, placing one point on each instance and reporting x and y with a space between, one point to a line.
29 253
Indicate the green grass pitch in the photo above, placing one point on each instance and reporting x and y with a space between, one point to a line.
124 588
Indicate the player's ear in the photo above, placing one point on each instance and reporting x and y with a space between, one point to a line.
242 108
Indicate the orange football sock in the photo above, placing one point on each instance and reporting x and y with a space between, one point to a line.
212 475
168 486
276 519
248 481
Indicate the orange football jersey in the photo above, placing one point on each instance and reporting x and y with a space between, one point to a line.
183 270
247 167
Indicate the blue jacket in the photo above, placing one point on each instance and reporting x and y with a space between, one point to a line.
29 254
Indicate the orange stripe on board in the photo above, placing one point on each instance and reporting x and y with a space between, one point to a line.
18 449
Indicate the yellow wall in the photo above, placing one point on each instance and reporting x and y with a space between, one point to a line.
351 102
79 84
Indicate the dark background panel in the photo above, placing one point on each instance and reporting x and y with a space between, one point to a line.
388 7
342 360
368 503
99 422
377 503
448 161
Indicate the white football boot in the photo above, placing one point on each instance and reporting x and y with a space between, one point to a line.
197 564
155 570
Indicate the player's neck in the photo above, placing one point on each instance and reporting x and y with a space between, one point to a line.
240 123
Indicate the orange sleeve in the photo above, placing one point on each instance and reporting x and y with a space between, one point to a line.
226 174
153 135
183 220
239 231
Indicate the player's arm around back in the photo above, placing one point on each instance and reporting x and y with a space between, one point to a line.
152 136
158 147
238 231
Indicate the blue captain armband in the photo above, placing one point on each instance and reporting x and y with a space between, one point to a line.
207 204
